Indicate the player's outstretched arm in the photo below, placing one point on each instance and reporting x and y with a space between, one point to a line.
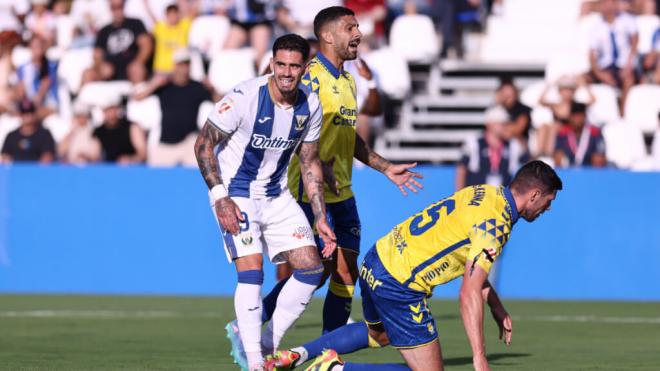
227 211
312 176
500 315
472 312
399 174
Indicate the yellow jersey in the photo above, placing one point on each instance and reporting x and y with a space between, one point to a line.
431 247
337 93
169 39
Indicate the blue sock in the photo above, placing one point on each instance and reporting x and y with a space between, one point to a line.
375 366
346 339
270 301
337 305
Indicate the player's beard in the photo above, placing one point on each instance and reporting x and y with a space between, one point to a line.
349 52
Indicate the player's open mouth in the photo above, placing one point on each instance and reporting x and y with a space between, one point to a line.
354 44
285 82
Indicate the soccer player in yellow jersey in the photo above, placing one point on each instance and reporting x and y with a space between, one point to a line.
461 235
337 31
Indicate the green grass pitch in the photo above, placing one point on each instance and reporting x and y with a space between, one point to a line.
186 333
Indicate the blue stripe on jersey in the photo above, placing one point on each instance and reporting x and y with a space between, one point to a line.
433 259
301 108
239 185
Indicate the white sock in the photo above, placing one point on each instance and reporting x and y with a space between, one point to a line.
291 303
247 303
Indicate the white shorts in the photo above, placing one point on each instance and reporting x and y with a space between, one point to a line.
271 225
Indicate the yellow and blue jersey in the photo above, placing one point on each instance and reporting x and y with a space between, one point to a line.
431 247
337 92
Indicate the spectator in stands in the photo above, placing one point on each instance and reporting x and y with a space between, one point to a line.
371 16
170 34
31 141
40 21
447 13
122 44
368 98
652 60
579 143
493 158
519 114
297 16
88 17
179 102
37 79
251 19
561 111
121 141
613 49
8 40
79 146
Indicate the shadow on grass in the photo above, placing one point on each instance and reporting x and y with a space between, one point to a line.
492 358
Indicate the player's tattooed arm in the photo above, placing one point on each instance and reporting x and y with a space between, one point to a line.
312 177
207 139
399 174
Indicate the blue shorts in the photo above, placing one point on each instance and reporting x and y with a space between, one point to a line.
344 220
403 312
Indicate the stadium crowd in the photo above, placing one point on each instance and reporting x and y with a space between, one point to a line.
125 80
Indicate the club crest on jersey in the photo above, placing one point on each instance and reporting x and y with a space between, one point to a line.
246 239
300 121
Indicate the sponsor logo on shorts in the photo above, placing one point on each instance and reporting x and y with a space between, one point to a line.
356 231
302 233
369 278
429 326
417 312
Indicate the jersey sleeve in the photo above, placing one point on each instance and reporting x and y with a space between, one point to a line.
315 120
225 116
487 238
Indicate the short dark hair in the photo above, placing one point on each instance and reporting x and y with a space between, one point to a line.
578 107
292 42
172 8
328 15
536 174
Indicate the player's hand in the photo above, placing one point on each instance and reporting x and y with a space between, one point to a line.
480 363
403 177
229 215
328 237
364 70
329 175
505 324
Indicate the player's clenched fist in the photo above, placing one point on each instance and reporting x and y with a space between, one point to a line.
228 214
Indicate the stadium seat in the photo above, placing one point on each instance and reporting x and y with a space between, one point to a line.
569 61
208 34
59 126
624 144
65 28
642 107
196 66
413 37
646 26
98 92
147 114
386 62
71 67
606 107
230 67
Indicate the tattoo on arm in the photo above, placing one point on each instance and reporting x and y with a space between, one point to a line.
367 155
208 138
312 176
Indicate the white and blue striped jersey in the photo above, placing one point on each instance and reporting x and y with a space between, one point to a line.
262 137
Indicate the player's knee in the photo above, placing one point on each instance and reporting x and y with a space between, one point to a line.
251 277
378 339
346 273
311 276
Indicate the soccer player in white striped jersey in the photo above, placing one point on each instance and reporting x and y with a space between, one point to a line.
243 152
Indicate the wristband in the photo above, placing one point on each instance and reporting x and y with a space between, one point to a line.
218 191
371 84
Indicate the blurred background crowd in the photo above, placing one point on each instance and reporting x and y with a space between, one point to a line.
483 84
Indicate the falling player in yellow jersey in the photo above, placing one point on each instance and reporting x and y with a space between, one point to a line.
338 33
461 235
